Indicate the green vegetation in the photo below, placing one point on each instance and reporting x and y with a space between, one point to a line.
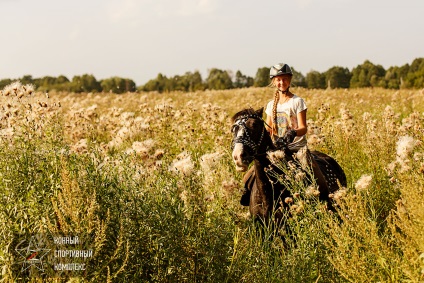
364 75
146 181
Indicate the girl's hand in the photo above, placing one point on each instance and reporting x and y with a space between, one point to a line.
289 136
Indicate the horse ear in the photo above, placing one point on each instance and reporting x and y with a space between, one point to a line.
260 112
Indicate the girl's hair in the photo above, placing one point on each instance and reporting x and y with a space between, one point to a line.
274 129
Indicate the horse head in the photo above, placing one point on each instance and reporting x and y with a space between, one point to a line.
250 138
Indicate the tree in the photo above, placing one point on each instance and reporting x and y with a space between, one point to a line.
4 82
395 76
48 83
262 77
157 84
415 76
187 82
27 79
85 83
117 85
195 81
367 75
218 79
338 77
315 79
298 79
241 80
417 65
62 80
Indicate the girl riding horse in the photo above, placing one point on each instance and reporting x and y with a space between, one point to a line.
286 123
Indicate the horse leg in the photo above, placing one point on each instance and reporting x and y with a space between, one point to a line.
248 180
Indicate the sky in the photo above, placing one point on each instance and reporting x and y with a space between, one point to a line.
138 39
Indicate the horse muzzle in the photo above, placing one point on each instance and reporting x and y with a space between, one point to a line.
240 158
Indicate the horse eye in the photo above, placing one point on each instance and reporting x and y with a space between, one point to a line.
235 128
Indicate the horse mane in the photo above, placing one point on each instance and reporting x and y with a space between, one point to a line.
247 111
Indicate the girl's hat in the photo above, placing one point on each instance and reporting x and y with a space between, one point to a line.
280 69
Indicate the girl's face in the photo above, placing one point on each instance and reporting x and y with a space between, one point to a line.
282 82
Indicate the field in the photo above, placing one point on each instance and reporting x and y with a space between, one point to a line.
147 184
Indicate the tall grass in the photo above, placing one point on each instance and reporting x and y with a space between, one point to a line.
147 183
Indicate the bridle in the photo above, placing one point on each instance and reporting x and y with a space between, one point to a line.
246 139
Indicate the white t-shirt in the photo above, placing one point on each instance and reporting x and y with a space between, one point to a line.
287 119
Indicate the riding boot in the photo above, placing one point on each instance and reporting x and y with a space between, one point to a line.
248 180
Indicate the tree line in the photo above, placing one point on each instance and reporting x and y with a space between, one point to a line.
364 75
78 84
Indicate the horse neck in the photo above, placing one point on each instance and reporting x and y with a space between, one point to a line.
266 144
263 190
261 160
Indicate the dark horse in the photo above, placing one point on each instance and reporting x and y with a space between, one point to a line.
251 142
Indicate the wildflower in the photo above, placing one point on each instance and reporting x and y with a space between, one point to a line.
127 116
123 132
324 108
143 148
313 140
418 156
391 168
159 153
366 117
345 113
29 89
363 182
80 147
312 191
210 197
301 156
275 156
338 195
292 165
210 161
288 200
401 207
292 208
404 146
229 186
207 106
178 114
8 132
297 208
388 112
300 176
90 112
15 85
142 123
404 166
184 166
184 196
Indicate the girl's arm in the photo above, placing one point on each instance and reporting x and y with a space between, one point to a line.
302 128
